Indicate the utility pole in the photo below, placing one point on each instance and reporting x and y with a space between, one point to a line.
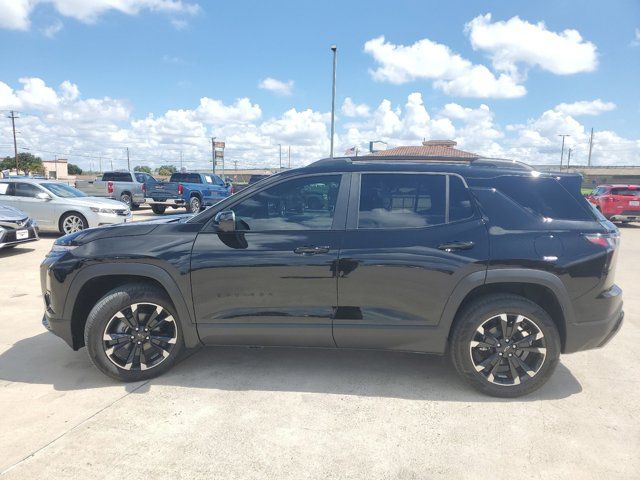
562 151
280 149
112 164
334 49
128 161
590 147
568 160
289 156
180 160
213 154
100 160
15 145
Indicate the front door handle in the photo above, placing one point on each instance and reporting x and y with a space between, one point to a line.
451 246
311 250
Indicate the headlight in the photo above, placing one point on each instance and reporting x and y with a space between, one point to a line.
58 249
64 244
103 210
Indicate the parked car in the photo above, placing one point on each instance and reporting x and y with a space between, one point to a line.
15 226
618 203
128 187
56 206
194 191
499 266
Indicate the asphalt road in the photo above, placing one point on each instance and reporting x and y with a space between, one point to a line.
295 413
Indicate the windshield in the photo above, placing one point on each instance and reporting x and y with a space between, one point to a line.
62 190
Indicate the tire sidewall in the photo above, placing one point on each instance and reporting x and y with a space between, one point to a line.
128 203
479 312
102 313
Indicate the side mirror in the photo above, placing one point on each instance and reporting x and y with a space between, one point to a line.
225 221
43 196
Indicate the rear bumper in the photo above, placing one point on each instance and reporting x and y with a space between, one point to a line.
596 334
168 201
625 217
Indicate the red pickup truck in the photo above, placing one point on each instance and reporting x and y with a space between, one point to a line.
619 203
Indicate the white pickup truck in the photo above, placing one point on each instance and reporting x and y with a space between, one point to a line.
128 187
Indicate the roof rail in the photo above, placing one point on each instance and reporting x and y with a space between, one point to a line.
501 163
480 162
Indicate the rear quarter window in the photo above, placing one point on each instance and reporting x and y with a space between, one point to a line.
539 196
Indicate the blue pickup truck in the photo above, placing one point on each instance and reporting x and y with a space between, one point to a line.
194 191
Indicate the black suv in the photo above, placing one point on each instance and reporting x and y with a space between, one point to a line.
498 265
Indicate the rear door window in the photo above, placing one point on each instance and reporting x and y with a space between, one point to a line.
185 178
401 200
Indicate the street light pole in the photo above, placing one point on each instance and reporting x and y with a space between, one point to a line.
280 150
334 49
562 151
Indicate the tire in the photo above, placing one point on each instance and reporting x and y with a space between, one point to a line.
158 209
478 355
125 363
135 206
126 199
194 205
72 222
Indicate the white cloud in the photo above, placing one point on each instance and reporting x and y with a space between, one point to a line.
52 30
515 41
351 109
428 60
277 86
586 107
16 13
59 121
636 39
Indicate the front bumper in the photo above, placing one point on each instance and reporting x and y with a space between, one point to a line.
9 238
100 219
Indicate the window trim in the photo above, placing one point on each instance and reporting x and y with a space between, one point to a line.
339 215
354 200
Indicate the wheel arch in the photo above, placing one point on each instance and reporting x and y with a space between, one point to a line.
543 288
93 282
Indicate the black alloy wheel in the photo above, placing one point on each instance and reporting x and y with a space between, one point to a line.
505 345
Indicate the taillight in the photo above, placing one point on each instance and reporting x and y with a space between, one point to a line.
605 240
180 189
110 187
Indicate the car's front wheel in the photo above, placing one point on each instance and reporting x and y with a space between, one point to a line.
505 345
72 222
133 333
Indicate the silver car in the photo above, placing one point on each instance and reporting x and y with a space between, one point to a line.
16 227
56 206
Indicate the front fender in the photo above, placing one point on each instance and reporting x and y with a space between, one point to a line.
185 312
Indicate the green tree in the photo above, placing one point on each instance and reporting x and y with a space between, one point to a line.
142 168
166 170
27 163
74 169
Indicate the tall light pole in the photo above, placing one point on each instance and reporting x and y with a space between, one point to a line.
334 49
562 151
280 150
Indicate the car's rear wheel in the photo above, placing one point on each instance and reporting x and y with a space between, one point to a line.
505 345
72 222
194 205
158 209
133 333
126 199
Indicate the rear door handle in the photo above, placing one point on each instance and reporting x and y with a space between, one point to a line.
451 246
311 250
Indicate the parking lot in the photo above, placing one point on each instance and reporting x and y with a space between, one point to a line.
306 413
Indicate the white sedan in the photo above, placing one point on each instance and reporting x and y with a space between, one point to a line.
56 206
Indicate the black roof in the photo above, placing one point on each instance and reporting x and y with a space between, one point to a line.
480 168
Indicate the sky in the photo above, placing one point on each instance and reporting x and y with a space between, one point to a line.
161 77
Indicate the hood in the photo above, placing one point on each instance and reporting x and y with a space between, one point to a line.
121 229
8 213
94 202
